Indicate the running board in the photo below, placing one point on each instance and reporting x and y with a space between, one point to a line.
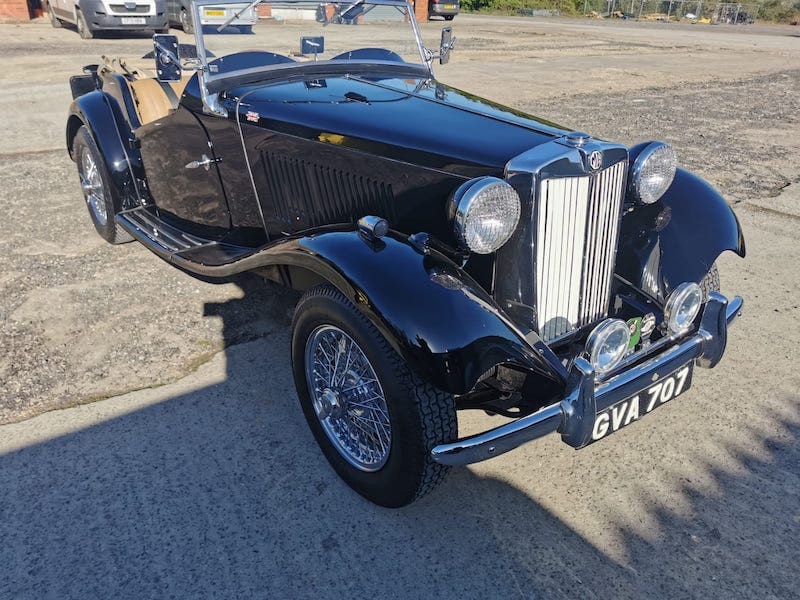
197 254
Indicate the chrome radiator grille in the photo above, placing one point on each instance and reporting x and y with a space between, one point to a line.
141 9
576 228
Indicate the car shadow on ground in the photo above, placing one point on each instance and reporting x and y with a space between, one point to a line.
221 492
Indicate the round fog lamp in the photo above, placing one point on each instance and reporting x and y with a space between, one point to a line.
682 307
607 344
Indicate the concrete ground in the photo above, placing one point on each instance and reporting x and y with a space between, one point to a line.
169 457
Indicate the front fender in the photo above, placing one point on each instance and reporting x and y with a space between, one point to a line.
678 238
101 115
446 327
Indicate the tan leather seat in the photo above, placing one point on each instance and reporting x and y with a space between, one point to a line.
152 102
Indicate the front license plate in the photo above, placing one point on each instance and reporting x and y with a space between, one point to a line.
634 408
215 13
449 6
133 20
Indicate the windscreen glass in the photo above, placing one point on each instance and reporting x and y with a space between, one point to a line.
304 32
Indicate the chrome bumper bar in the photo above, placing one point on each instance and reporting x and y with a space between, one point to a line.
573 417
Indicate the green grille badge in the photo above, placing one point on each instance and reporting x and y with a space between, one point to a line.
635 327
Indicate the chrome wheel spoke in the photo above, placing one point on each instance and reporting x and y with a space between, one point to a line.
368 421
371 437
346 363
363 404
348 398
358 385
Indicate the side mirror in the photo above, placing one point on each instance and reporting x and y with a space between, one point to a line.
446 45
168 63
312 44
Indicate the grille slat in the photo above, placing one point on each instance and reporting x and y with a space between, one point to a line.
592 305
580 205
577 229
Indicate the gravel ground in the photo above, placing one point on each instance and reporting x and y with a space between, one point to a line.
83 320
725 132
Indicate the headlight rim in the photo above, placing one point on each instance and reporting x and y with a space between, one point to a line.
465 198
638 165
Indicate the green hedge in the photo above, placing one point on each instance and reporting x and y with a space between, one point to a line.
776 11
779 11
568 7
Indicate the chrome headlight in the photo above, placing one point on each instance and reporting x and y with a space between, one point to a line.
607 344
682 307
653 172
484 212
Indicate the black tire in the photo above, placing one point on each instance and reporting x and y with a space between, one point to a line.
100 197
54 20
83 27
419 415
186 22
449 17
710 283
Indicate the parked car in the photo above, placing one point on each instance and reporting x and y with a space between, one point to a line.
446 9
240 15
90 16
454 254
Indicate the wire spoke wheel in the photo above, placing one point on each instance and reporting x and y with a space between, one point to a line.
375 421
348 398
92 186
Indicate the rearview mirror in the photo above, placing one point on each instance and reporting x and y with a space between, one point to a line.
446 45
168 63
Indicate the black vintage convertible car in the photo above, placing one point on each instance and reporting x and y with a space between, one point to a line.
455 254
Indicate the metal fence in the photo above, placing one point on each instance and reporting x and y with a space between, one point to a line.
704 11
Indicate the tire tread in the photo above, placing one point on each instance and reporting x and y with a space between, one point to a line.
710 283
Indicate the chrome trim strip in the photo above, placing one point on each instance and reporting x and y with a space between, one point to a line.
249 166
573 416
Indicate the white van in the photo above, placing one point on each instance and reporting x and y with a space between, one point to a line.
90 16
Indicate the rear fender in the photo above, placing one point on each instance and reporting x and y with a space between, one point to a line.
678 238
101 115
445 326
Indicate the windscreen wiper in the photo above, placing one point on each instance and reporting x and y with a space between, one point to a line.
338 14
236 15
